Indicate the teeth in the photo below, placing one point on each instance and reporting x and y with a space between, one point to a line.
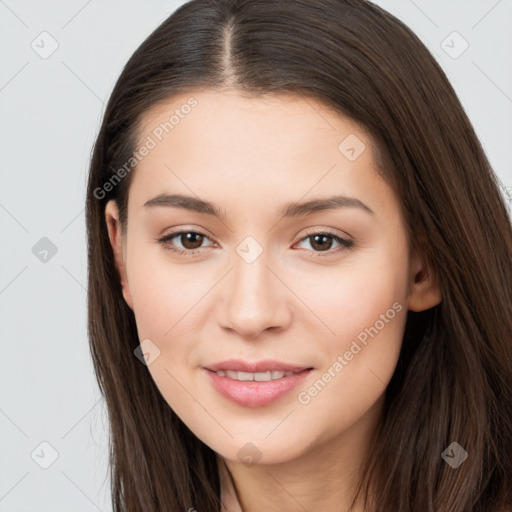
259 376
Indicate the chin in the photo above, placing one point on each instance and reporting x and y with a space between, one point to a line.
259 451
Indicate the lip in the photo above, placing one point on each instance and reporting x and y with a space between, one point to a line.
255 393
266 365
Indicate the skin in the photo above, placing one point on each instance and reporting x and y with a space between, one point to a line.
250 156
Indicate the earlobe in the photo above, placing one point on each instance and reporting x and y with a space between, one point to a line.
115 236
424 289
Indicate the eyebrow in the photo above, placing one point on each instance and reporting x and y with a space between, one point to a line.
294 209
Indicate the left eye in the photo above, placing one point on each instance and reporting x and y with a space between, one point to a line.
192 241
319 241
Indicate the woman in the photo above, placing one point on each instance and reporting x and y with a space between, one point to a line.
300 277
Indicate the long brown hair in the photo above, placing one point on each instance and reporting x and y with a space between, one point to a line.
453 381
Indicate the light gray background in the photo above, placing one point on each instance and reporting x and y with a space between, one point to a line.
50 113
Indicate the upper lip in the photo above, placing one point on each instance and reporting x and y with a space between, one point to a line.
267 365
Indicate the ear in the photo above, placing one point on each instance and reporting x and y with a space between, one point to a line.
114 233
424 290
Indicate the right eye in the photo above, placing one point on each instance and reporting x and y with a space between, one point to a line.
191 242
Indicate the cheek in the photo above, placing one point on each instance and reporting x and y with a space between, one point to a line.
352 297
164 293
359 364
166 302
363 312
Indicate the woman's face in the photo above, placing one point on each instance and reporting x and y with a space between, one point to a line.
259 277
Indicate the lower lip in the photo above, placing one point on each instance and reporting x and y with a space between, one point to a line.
256 393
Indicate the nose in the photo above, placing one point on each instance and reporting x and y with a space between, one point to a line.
254 298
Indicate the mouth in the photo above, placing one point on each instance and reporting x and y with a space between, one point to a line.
259 367
255 389
256 376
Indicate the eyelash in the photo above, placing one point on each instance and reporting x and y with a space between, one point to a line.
344 243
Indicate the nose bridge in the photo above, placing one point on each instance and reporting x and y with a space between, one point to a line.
254 298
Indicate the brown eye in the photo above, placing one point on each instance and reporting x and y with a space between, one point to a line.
323 243
189 242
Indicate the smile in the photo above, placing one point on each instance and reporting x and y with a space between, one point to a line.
248 376
255 389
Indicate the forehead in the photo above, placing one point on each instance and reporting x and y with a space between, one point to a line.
226 143
221 114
